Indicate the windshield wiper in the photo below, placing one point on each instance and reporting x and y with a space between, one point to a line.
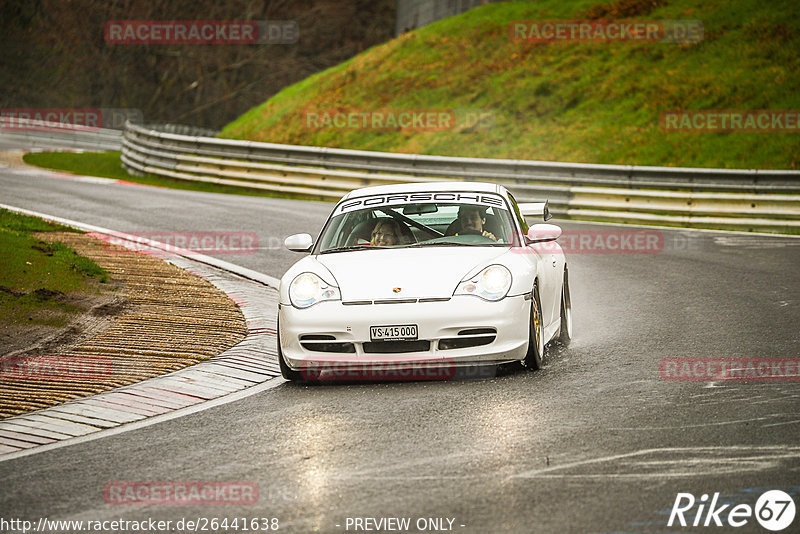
352 247
451 244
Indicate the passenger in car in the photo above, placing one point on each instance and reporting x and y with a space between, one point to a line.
387 232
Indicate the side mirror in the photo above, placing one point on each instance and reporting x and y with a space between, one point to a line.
299 242
540 233
535 209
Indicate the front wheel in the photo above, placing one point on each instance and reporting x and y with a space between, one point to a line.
533 359
565 329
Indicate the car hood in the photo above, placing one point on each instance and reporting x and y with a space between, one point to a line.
425 272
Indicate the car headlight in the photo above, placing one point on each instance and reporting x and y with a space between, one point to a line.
308 289
492 283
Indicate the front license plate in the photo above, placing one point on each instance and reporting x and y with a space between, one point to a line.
402 332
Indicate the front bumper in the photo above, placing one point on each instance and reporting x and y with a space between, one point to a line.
348 327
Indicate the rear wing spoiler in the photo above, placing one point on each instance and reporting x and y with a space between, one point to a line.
535 209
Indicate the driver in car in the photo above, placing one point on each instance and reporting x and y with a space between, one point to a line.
472 219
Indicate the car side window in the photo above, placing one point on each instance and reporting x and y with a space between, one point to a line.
332 236
522 223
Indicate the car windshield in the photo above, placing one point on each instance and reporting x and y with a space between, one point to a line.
418 220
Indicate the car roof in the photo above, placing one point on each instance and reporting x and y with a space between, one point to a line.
416 187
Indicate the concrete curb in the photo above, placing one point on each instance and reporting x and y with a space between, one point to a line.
250 363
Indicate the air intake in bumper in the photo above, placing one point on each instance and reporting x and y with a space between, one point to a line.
326 343
471 337
395 347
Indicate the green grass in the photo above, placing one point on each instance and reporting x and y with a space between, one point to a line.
35 274
102 164
109 165
562 101
25 224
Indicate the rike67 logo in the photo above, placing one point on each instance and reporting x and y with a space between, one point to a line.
774 510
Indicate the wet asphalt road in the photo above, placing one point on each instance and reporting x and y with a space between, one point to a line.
595 442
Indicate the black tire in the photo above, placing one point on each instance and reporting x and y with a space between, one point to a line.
565 329
286 372
535 356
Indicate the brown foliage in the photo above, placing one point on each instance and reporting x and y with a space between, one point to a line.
623 9
54 55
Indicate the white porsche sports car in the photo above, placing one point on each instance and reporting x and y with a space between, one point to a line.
414 277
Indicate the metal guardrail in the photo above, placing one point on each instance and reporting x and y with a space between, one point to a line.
183 129
48 134
754 200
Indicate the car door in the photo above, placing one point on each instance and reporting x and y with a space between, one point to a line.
548 260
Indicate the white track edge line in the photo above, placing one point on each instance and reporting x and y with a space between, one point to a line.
250 274
148 421
676 228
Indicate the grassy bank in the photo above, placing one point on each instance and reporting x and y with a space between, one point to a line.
592 102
